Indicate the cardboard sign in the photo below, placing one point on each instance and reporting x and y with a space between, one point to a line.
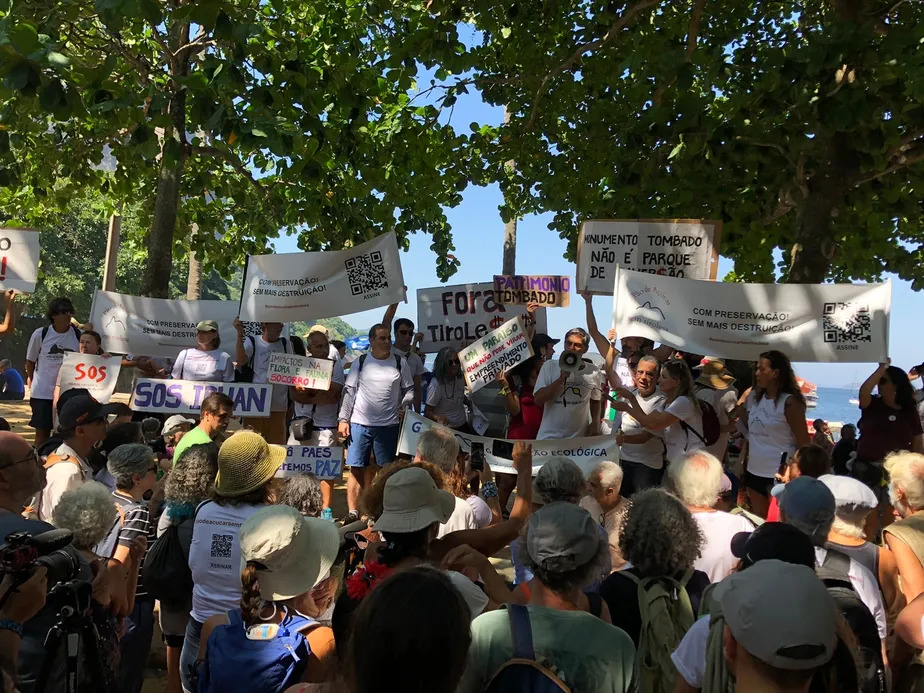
306 286
807 322
301 371
523 289
185 396
457 315
686 248
496 352
96 374
323 463
19 259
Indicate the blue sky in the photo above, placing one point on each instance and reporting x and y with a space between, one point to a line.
478 236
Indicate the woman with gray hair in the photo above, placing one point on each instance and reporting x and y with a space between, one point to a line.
302 492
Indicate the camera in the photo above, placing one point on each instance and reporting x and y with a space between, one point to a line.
23 553
302 429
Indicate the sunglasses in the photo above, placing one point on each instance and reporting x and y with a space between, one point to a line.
454 362
405 331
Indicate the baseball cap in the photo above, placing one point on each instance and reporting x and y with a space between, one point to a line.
207 326
173 423
808 504
773 540
411 501
294 552
318 328
562 537
246 462
781 614
850 493
541 340
82 409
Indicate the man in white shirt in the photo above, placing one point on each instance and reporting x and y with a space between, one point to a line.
82 424
607 506
696 479
377 389
404 345
255 352
570 401
439 447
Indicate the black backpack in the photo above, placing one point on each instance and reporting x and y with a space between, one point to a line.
165 570
45 329
712 428
244 372
834 573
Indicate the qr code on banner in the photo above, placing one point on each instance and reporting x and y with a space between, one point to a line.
366 273
846 322
221 545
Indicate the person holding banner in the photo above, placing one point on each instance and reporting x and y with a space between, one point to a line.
206 362
253 357
570 399
405 345
446 393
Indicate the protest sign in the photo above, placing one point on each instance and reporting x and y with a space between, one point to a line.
19 258
161 327
96 374
323 463
496 352
458 315
307 286
301 371
585 452
185 396
522 289
686 248
808 322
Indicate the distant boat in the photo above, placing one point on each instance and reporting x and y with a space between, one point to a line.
854 400
809 391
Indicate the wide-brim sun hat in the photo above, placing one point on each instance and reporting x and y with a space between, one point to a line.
714 374
411 502
293 552
246 462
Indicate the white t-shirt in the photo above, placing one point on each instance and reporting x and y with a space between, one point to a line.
463 517
677 440
414 362
482 510
261 361
769 435
324 415
61 477
215 558
472 594
651 452
204 366
447 399
718 529
719 399
568 415
377 390
48 354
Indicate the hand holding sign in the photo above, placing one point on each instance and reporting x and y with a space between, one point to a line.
96 374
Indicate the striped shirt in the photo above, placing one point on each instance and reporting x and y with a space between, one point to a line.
137 522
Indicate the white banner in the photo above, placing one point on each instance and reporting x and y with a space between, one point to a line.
96 374
185 396
496 352
686 248
307 286
161 327
301 371
323 463
587 453
458 315
807 322
19 259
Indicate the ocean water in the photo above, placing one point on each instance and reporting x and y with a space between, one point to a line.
834 405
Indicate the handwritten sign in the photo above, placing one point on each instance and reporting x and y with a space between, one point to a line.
324 463
522 289
19 258
185 396
96 374
496 352
301 371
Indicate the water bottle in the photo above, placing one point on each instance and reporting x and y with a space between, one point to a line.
327 514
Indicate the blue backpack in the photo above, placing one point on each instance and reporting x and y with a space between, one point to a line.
236 663
523 672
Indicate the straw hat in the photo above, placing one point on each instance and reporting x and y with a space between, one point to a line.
714 375
246 462
412 502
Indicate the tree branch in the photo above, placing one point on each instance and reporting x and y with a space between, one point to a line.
693 32
623 20
162 42
235 162
904 162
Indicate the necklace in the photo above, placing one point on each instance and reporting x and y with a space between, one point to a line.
449 395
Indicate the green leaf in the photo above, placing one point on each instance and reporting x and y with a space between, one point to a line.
24 38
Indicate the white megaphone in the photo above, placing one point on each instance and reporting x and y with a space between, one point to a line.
570 362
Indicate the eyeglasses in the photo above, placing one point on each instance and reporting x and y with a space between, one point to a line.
405 331
33 457
454 362
152 468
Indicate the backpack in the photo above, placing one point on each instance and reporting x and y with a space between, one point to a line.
523 672
712 429
33 512
834 573
244 373
667 615
234 662
165 570
362 360
45 334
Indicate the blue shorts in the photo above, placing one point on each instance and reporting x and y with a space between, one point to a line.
381 440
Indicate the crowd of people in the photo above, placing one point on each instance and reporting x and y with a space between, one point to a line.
725 549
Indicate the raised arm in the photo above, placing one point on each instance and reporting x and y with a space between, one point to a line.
9 321
866 389
511 398
601 342
240 352
653 421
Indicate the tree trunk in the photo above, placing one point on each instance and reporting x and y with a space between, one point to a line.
812 251
194 275
509 265
156 279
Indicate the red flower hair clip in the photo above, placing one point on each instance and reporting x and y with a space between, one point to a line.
360 583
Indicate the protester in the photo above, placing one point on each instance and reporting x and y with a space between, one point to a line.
697 481
607 506
523 416
404 345
570 400
543 346
12 386
641 451
809 460
714 385
315 421
302 492
441 449
341 348
845 450
215 415
332 352
378 387
774 410
286 560
253 357
91 343
175 427
446 400
422 654
905 538
44 356
120 434
243 485
822 436
681 420
206 362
